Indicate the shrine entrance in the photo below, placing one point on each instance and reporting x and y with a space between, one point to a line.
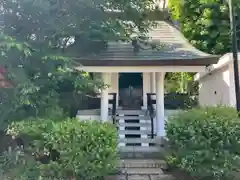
130 90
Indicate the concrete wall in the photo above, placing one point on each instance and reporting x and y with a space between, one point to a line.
114 82
232 86
113 85
214 89
222 79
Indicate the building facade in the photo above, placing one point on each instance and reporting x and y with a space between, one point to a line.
216 84
136 77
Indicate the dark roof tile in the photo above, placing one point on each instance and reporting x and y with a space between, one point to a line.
173 46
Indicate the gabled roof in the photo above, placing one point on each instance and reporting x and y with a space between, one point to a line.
224 61
174 50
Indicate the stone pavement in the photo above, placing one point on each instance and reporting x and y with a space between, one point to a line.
144 177
143 169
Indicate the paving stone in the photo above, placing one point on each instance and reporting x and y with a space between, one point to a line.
164 177
138 177
154 177
143 163
121 177
144 171
143 177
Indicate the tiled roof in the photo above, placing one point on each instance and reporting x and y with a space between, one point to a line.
173 46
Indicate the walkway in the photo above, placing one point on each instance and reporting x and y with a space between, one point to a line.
143 169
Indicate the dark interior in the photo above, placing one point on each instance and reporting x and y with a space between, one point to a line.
130 90
130 79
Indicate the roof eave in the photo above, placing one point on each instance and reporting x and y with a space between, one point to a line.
203 61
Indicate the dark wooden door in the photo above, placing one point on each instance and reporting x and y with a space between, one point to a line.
131 98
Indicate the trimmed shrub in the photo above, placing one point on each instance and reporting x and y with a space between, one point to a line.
180 101
82 149
205 142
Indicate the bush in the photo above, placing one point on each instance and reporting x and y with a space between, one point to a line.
88 149
205 142
179 101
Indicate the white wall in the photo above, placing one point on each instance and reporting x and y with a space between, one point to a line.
232 85
114 85
214 89
162 4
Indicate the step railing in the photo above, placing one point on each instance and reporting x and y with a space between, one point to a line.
150 109
113 101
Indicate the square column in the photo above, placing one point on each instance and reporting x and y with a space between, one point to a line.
146 87
160 118
153 82
153 90
104 97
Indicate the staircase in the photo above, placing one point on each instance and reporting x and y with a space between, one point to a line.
135 140
140 154
147 169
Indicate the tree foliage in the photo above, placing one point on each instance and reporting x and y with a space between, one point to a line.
180 82
39 39
205 24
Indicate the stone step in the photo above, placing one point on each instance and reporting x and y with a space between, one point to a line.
137 140
141 177
133 132
131 112
143 163
141 155
134 124
142 171
140 149
133 117
131 121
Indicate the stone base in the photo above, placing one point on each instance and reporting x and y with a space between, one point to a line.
161 141
143 163
140 177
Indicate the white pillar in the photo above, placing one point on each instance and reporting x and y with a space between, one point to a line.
153 82
117 88
153 90
104 98
160 104
146 87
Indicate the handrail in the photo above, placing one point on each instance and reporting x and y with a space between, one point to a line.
151 112
114 106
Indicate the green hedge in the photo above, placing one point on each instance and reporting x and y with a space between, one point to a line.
180 101
205 142
88 150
